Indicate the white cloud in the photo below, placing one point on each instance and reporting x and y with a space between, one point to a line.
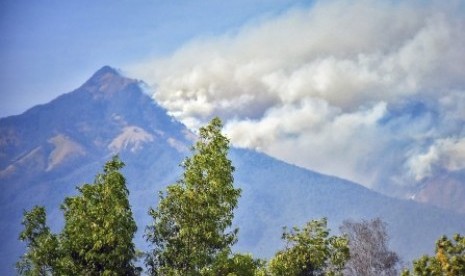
359 89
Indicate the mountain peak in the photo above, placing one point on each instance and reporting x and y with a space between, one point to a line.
106 80
106 70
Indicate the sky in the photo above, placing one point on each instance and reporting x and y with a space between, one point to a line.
49 47
370 91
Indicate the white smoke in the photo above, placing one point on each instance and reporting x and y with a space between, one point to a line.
369 91
447 153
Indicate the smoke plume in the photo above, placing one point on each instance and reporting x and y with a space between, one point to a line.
369 91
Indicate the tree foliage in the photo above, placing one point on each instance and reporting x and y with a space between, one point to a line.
369 251
97 236
42 245
235 265
448 261
99 226
311 251
191 224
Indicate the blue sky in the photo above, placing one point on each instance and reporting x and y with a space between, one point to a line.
50 47
370 91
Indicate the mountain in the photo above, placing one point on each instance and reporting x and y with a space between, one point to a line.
52 148
446 191
48 150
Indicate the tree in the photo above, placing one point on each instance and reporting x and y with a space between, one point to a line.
369 252
311 251
235 265
42 245
99 226
191 224
448 261
97 236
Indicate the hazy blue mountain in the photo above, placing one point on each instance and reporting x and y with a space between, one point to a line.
48 150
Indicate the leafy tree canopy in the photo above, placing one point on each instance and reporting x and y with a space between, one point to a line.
311 251
97 236
42 246
191 224
449 259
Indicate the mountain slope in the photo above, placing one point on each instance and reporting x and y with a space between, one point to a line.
49 149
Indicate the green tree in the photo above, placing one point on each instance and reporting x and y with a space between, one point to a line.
99 227
97 236
311 251
369 251
192 222
235 265
448 261
42 246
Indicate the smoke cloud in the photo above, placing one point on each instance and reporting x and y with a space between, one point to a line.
368 91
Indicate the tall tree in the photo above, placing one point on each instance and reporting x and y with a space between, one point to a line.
99 226
311 251
97 236
191 224
448 261
369 251
42 246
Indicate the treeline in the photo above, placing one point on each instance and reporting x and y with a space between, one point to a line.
191 232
